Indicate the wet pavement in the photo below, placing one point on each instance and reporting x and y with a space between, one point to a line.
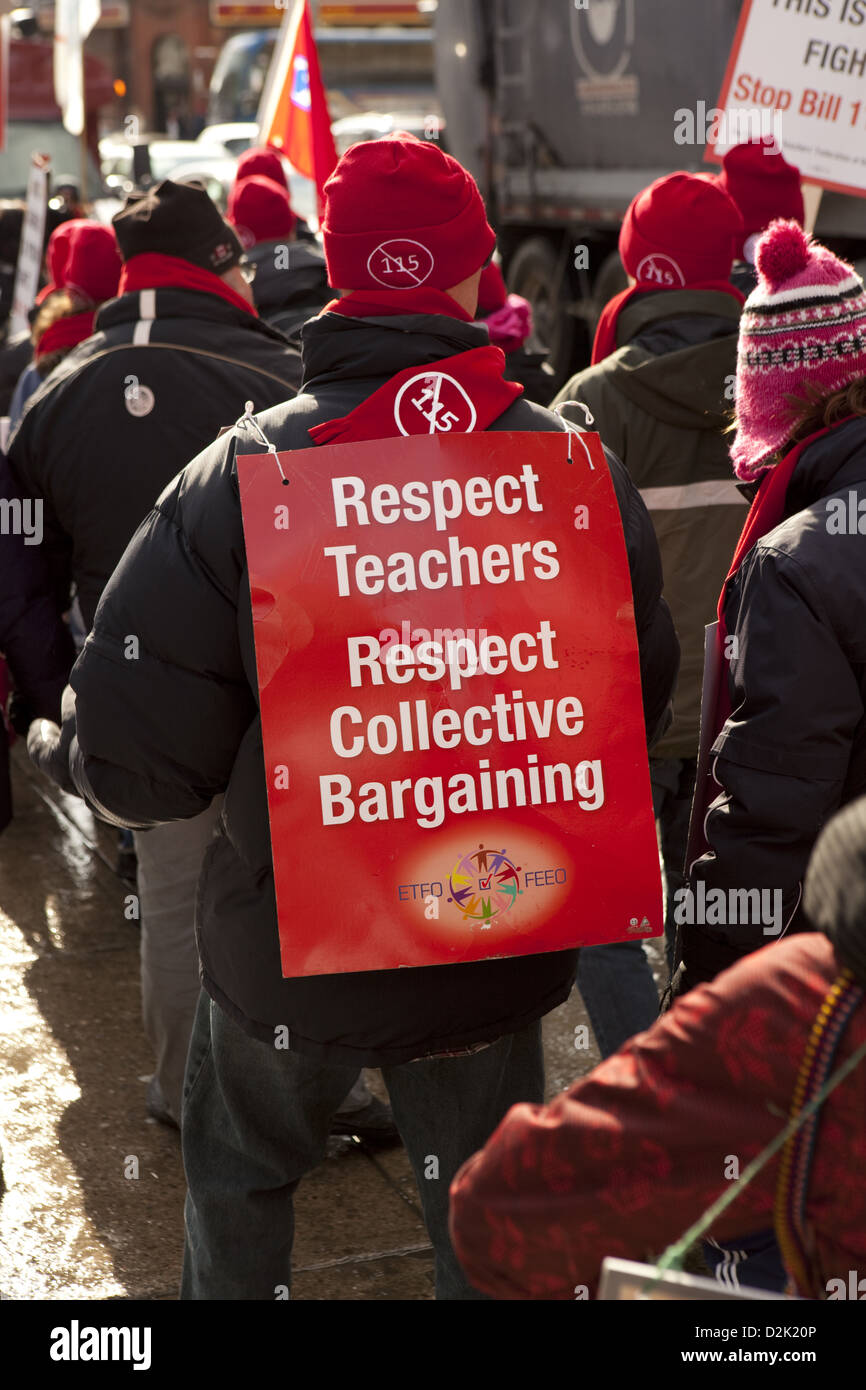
93 1207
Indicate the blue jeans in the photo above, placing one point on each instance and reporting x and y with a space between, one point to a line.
618 989
616 981
673 790
256 1119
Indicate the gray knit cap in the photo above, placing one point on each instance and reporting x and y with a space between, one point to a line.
835 892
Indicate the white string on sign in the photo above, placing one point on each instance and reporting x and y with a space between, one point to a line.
247 422
576 430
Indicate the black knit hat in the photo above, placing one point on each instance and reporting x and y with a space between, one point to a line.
835 893
177 219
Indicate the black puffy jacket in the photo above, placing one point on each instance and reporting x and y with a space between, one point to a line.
156 743
794 748
127 409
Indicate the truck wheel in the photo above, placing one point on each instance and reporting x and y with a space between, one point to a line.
534 271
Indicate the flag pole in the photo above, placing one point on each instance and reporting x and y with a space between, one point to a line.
272 86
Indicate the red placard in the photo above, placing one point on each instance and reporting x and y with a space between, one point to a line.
451 701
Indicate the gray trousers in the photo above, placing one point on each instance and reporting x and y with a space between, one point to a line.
169 863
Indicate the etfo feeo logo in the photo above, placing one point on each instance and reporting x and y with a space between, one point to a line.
400 264
484 884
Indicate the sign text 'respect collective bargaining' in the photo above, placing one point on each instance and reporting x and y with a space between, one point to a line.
451 703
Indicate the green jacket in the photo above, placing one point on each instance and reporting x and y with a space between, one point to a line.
661 402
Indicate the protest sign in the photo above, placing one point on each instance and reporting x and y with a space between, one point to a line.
29 266
451 702
630 1281
796 72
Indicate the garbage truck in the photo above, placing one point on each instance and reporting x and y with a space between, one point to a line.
563 110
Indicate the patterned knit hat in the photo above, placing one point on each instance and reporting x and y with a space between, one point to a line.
805 323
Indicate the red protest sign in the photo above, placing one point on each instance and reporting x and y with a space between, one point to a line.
450 700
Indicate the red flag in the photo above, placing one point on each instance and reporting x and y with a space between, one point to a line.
294 115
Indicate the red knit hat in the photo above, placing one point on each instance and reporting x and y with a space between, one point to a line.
763 185
400 213
682 230
83 255
259 210
261 161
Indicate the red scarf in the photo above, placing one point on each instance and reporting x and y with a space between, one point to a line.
766 512
462 393
65 333
605 334
377 304
152 271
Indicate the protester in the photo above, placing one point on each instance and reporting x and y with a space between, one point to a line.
788 707
764 186
16 349
291 281
268 164
173 359
84 269
626 1160
259 161
36 645
663 358
66 196
458 1044
11 223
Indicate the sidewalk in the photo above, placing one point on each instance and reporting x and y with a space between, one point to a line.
73 1067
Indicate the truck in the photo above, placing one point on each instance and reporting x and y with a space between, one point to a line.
563 111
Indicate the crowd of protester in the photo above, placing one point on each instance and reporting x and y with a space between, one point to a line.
728 385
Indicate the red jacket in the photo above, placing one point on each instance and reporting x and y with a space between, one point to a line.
624 1161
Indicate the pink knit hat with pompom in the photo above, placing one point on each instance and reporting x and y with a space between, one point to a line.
805 323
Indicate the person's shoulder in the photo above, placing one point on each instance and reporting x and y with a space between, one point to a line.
203 500
798 970
809 538
526 415
598 388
